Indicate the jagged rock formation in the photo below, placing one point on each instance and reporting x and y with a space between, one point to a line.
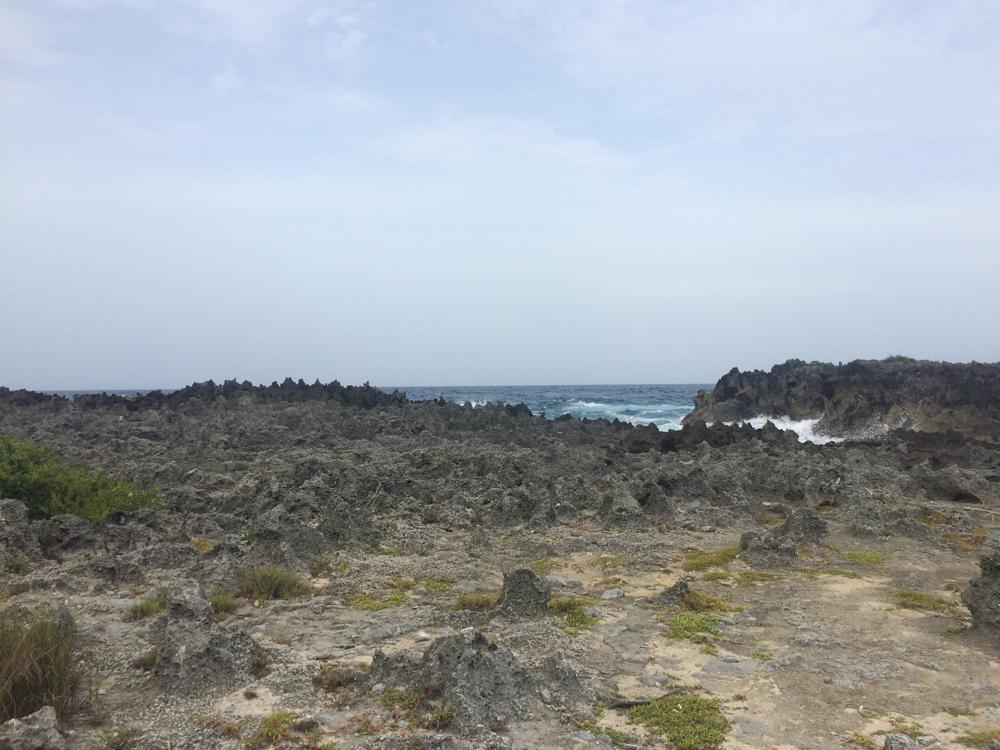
524 594
982 597
864 397
772 547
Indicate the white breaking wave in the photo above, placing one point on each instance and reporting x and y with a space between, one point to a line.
804 428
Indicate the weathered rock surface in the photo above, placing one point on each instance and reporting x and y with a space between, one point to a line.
524 594
864 397
39 731
982 597
772 547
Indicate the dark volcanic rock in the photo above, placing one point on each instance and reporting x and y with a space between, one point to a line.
524 594
982 597
671 596
863 397
771 547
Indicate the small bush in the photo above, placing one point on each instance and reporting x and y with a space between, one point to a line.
573 610
270 582
689 722
696 559
831 571
477 602
333 677
272 729
543 567
223 603
151 605
39 479
37 665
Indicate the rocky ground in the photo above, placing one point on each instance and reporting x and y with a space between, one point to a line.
813 596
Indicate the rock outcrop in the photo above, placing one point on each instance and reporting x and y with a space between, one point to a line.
38 731
524 594
982 597
863 398
772 547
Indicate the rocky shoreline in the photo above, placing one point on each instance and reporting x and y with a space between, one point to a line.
864 398
465 577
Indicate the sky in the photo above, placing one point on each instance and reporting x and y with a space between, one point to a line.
487 192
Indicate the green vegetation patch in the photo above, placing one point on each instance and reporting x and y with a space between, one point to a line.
151 605
371 603
717 575
979 739
865 558
959 711
270 582
692 626
698 601
862 740
38 478
480 601
272 730
911 599
696 559
38 666
223 603
437 584
618 739
573 610
688 722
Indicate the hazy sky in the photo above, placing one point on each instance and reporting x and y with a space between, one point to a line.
454 192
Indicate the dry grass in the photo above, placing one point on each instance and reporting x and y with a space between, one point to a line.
270 582
38 666
696 559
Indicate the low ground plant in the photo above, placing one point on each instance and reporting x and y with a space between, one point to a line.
270 582
38 665
47 486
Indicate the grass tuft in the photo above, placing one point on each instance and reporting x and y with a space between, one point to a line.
476 602
371 604
272 730
865 558
696 559
698 601
689 722
38 478
270 582
831 571
748 578
151 605
911 599
223 603
37 665
437 584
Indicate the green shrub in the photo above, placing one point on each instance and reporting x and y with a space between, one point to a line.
272 730
223 603
39 479
37 665
151 605
269 582
979 739
689 722
478 602
693 626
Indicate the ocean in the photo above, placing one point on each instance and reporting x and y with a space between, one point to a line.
662 405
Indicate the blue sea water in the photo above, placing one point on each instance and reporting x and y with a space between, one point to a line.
662 405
